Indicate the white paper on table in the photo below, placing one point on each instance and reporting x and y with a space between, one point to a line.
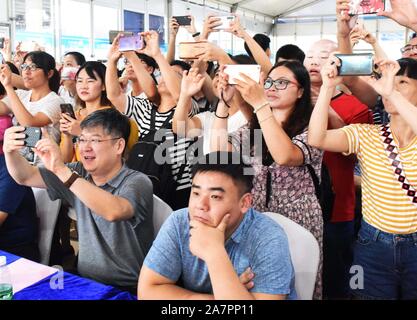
24 273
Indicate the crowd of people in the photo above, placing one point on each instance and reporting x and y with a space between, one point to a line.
303 142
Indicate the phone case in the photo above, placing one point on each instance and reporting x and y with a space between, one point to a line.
190 50
67 108
355 64
225 20
113 34
253 71
183 20
33 135
130 43
366 6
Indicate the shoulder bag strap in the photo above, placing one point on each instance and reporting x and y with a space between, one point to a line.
395 160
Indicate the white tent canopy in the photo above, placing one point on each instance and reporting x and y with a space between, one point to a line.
275 8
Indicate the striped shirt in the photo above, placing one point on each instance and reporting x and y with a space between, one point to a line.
385 204
141 111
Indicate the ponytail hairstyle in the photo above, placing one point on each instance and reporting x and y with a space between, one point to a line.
46 62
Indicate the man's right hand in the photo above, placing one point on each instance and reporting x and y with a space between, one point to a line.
246 278
14 139
50 154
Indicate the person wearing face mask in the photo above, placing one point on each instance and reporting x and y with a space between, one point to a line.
386 246
91 96
275 143
71 63
339 230
39 106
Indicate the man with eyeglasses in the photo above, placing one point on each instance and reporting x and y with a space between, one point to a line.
338 232
410 49
113 203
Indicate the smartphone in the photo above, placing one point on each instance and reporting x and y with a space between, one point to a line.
33 135
183 20
190 50
2 61
130 43
357 64
27 46
2 43
225 20
253 71
113 34
68 109
366 6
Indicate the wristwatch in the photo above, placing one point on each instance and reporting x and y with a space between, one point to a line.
74 176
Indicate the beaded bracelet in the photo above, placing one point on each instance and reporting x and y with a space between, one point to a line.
260 107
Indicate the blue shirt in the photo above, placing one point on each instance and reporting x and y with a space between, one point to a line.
21 225
258 242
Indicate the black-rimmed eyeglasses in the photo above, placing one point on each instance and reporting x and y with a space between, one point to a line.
280 84
31 67
409 48
93 141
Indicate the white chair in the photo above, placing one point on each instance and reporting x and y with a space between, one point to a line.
305 255
47 211
161 211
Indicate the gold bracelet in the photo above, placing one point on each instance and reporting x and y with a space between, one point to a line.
255 110
267 118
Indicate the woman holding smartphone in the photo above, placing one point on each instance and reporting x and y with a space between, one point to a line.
91 96
386 246
39 105
275 143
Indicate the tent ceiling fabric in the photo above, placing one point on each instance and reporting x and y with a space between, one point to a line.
271 8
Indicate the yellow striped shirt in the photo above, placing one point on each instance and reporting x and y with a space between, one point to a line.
385 205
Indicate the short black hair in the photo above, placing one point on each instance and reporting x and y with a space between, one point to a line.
262 39
149 61
182 64
290 52
112 121
230 164
243 59
79 57
408 68
46 62
94 69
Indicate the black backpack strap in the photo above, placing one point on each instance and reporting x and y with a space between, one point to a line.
311 170
153 117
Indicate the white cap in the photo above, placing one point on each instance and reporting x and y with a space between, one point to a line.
3 261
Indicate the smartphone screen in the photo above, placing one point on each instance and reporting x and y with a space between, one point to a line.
366 6
130 43
68 109
356 64
2 61
183 20
33 135
253 71
1 43
113 34
225 20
